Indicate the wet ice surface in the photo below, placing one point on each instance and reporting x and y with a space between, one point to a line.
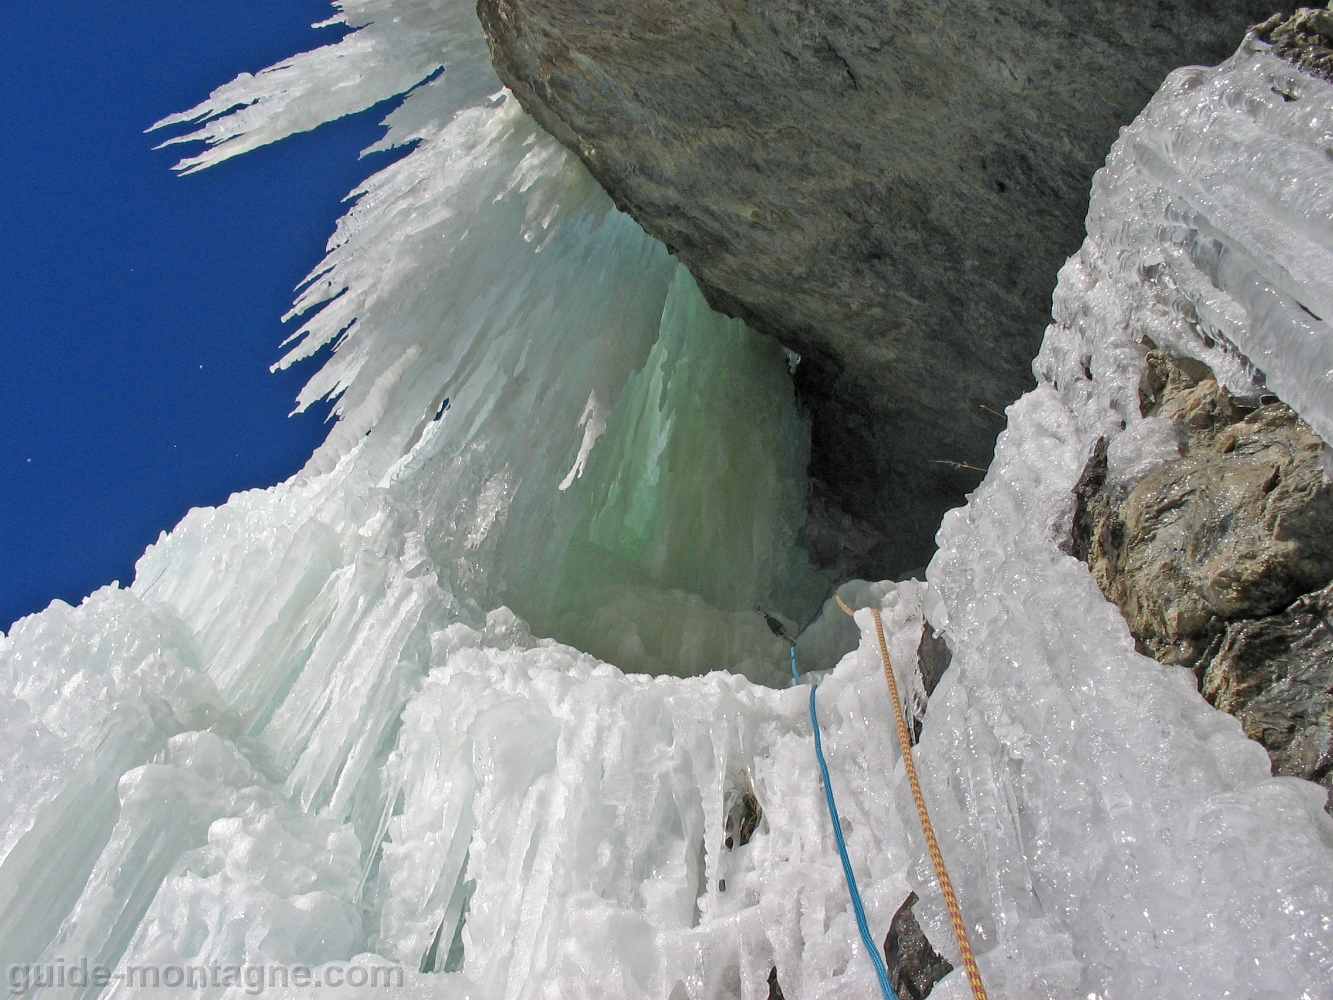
313 730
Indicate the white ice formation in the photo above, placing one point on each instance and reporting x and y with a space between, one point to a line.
316 730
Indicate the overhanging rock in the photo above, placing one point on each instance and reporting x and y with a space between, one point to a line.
888 188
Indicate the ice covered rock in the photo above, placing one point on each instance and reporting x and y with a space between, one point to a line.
1220 169
1200 550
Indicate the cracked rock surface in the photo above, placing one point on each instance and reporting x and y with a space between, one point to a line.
889 188
1221 559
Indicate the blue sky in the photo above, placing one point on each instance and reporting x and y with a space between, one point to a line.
139 311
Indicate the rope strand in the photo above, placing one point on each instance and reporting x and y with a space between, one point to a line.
932 845
881 973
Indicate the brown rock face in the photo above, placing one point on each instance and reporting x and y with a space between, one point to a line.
888 187
1305 38
1276 675
1217 558
1237 528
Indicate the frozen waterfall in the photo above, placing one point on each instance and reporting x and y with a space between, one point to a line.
366 719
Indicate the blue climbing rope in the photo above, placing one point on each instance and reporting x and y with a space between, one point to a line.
885 987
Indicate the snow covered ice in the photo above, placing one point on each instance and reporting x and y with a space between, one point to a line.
322 726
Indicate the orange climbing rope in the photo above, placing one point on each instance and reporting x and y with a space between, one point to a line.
941 873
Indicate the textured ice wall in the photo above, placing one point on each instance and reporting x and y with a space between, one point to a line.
1217 201
1111 814
307 732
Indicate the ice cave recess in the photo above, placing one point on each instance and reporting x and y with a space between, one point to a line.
318 727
